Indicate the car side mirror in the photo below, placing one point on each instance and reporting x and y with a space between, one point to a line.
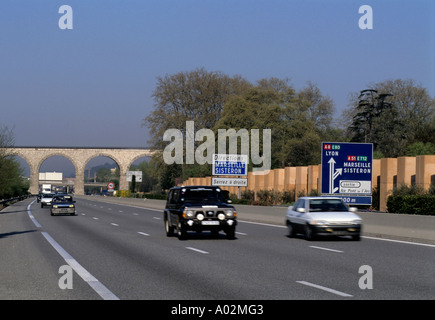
229 201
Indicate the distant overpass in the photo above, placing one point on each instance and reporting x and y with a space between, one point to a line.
79 157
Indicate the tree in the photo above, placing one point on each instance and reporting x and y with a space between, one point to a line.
392 115
197 96
11 182
298 120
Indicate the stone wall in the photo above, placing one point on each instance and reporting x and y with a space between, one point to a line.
387 174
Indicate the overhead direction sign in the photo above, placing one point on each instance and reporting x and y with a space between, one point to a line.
230 164
347 171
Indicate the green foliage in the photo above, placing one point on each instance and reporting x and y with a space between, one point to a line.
393 115
412 200
397 116
420 148
299 121
11 183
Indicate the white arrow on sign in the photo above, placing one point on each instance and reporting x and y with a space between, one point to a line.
333 175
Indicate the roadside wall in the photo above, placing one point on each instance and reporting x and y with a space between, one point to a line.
387 174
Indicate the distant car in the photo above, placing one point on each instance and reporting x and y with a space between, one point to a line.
46 199
63 204
199 208
323 216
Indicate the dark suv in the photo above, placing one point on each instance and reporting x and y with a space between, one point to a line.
199 208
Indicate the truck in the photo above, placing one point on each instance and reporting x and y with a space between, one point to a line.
46 188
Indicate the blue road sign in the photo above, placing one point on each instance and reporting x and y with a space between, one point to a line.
230 165
347 170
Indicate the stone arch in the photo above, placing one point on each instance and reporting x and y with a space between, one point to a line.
137 157
102 154
57 154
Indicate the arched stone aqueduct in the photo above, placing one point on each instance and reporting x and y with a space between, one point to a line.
79 157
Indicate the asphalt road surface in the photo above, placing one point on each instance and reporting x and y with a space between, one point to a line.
112 251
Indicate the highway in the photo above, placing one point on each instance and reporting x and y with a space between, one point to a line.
121 252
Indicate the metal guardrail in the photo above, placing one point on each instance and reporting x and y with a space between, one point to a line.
6 202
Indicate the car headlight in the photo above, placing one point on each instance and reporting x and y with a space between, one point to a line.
188 214
229 213
357 221
55 206
221 216
200 216
319 222
71 206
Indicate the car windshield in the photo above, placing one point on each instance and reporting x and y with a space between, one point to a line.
323 205
47 195
202 195
62 199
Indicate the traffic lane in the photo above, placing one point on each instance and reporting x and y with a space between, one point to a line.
400 270
156 267
131 265
260 255
29 266
232 276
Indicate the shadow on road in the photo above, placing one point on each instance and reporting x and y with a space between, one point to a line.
8 234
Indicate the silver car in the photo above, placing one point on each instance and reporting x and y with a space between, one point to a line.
323 216
46 199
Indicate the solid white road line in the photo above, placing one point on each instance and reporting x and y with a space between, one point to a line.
114 224
279 226
401 241
35 222
98 287
144 234
324 288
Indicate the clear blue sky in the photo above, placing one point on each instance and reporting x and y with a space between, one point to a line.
92 85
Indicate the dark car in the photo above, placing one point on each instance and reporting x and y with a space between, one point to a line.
199 208
63 204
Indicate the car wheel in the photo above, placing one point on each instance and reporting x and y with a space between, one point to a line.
169 229
181 232
291 229
309 234
215 234
231 233
356 237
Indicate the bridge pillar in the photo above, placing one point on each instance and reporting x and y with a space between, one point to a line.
123 184
79 184
34 178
